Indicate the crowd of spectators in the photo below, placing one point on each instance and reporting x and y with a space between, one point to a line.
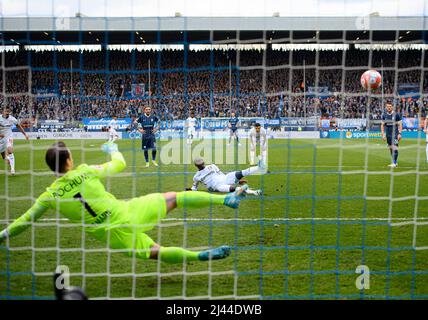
68 86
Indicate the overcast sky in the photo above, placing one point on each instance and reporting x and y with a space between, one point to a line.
207 8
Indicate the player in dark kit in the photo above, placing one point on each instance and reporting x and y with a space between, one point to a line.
391 128
233 126
147 126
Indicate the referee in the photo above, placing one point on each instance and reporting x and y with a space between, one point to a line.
148 126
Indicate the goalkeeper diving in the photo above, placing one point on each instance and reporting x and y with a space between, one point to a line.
80 196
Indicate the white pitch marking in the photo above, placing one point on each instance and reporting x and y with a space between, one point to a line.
256 219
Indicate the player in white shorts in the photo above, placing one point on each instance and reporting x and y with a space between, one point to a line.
112 133
258 135
191 125
426 136
216 181
6 140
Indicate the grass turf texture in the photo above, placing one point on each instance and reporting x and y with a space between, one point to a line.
304 239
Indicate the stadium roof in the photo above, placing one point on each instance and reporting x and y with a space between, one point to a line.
212 23
114 30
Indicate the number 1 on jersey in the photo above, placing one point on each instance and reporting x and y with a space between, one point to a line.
79 197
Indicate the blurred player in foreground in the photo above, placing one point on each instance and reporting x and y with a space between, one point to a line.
216 181
258 136
391 128
7 121
79 195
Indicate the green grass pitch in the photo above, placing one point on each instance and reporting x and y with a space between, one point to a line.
325 211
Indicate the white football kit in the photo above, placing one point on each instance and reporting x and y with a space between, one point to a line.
6 125
191 131
191 125
258 138
215 180
112 133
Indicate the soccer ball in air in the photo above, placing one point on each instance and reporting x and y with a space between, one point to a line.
371 79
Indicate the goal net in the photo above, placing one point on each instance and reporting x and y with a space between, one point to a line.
334 221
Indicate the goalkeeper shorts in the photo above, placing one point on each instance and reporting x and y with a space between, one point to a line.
143 214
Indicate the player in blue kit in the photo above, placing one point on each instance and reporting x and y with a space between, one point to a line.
391 128
147 126
233 126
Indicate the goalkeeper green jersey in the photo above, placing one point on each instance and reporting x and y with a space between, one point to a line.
80 196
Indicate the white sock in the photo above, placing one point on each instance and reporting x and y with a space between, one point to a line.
11 158
249 171
264 153
252 157
251 191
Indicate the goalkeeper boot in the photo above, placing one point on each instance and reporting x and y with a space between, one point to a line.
155 163
232 199
147 164
215 254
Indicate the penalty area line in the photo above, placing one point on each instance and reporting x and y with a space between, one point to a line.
256 219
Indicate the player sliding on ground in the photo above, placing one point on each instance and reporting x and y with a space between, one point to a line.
79 195
216 181
391 128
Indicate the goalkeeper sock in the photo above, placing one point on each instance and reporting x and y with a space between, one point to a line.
146 155
395 156
252 156
177 255
11 158
198 199
154 155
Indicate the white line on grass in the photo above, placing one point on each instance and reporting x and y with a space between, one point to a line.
284 170
258 219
